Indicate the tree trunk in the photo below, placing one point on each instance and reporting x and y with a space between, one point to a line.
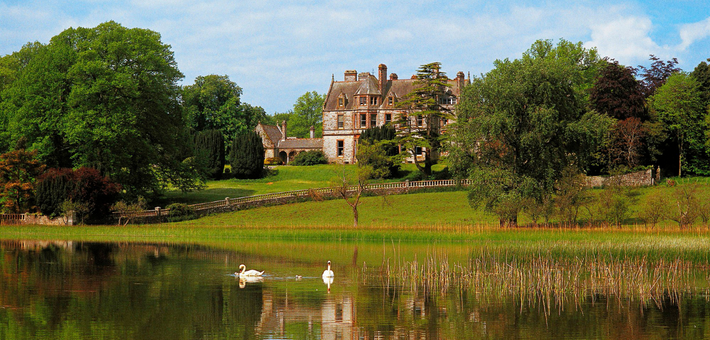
680 155
355 216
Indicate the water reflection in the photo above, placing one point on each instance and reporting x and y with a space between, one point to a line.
79 290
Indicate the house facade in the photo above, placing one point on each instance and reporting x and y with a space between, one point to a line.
277 144
361 101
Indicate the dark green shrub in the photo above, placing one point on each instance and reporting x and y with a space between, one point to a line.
379 134
310 158
53 188
83 186
378 151
180 211
247 155
209 150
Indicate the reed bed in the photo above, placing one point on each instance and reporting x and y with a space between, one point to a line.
548 282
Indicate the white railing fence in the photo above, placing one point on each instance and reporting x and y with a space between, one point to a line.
281 196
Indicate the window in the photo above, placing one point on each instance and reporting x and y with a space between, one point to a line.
341 102
341 122
388 117
363 101
447 100
341 148
390 101
418 150
363 121
373 120
373 100
420 121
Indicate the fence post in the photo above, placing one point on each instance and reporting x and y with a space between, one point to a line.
71 217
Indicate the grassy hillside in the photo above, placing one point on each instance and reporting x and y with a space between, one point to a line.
279 179
430 209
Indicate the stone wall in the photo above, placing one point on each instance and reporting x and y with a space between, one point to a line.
634 179
32 219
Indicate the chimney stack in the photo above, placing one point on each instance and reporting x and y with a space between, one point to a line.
382 77
461 80
350 75
313 132
283 130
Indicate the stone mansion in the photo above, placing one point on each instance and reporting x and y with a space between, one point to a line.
352 105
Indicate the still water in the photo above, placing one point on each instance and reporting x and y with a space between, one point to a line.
79 290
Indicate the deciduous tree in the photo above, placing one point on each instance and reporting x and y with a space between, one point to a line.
106 98
655 76
524 122
677 104
307 112
19 170
617 93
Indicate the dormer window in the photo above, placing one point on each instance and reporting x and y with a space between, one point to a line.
390 100
341 101
363 100
373 101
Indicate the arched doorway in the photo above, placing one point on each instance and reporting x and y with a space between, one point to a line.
282 155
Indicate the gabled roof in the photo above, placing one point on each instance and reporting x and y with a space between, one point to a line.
368 86
272 132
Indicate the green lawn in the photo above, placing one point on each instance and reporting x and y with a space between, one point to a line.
430 209
280 179
436 208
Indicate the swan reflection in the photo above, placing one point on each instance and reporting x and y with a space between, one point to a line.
328 280
249 279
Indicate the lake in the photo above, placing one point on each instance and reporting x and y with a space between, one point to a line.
140 290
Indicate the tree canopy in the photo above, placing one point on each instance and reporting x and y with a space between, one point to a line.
678 105
103 97
523 123
213 103
307 112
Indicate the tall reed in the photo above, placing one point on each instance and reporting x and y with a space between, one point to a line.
545 281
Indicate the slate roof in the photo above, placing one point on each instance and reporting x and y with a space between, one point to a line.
301 143
368 84
273 132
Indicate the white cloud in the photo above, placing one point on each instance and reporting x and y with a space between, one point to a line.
691 33
625 39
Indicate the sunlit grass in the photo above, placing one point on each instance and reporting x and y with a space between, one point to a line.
280 179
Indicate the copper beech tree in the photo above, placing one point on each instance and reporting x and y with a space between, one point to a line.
18 172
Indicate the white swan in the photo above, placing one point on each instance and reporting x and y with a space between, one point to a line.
328 273
247 273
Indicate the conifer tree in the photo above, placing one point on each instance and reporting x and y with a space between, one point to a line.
247 155
209 149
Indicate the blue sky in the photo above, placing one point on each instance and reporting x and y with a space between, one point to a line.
277 50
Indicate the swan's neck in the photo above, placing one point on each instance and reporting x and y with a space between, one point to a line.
243 269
